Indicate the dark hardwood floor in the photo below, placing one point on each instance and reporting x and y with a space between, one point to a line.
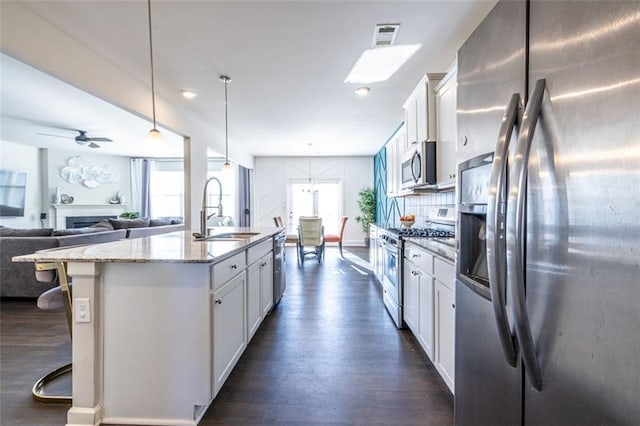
328 354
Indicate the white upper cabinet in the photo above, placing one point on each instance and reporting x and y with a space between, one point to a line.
446 130
393 161
420 113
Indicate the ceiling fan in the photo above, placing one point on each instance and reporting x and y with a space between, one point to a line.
82 138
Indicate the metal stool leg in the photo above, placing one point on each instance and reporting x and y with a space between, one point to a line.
38 387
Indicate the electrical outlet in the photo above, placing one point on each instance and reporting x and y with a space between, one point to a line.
43 216
82 310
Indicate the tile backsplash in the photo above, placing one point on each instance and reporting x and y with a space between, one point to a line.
421 205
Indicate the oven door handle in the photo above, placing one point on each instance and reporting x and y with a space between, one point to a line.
515 241
496 267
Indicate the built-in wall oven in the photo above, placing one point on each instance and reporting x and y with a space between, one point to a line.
392 275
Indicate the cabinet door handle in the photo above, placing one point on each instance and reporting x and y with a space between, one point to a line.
453 305
415 255
218 301
234 266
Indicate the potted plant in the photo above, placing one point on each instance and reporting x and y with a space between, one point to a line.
367 204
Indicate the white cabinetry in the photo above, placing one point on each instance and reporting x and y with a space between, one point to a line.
418 296
266 283
373 243
429 307
420 113
393 161
254 300
445 320
229 335
447 129
259 285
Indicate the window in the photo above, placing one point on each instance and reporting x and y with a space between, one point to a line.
319 198
166 188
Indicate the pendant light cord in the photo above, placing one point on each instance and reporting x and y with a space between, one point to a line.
153 86
226 81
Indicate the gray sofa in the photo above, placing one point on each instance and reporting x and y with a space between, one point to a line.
17 279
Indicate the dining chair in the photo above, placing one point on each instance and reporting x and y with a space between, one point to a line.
310 234
337 238
278 221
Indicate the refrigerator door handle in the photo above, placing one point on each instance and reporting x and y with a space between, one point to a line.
494 235
515 243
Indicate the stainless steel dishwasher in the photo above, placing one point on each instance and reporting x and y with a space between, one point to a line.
279 280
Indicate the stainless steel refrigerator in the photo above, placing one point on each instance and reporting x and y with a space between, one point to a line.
548 271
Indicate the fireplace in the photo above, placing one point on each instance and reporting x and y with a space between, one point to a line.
86 213
84 221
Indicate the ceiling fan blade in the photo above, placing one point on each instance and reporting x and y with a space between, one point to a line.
94 145
100 139
55 136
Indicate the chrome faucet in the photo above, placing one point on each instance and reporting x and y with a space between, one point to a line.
203 211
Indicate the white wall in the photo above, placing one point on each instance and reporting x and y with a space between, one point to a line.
82 194
43 176
273 173
23 158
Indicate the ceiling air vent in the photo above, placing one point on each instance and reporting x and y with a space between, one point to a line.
385 35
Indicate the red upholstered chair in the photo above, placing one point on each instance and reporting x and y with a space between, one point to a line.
337 238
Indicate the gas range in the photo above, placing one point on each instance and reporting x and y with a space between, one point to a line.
437 236
422 232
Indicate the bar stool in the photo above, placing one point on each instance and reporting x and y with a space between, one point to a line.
54 299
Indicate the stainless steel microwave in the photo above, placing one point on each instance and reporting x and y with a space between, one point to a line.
419 166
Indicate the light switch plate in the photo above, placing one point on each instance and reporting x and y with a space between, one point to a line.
82 310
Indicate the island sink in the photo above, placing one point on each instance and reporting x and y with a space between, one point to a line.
226 236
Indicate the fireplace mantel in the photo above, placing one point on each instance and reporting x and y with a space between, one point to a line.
64 210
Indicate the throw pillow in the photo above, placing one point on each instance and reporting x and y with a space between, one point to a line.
141 222
176 220
160 221
33 232
104 224
76 231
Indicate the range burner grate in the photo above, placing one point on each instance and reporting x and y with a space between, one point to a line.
426 232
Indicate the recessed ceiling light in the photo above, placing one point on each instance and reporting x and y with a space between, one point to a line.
362 91
381 63
188 94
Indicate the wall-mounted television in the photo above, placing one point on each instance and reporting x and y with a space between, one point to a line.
13 188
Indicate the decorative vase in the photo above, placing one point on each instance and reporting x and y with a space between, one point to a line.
57 197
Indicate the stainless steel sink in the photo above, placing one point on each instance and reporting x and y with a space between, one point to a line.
226 236
235 235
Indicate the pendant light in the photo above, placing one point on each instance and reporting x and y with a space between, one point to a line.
154 134
226 166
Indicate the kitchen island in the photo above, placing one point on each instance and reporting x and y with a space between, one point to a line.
159 322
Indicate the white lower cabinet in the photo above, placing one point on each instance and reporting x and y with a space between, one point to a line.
444 274
254 300
260 291
266 283
445 333
418 296
426 315
229 335
429 307
411 296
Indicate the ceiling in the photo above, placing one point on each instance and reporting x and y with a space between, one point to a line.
287 61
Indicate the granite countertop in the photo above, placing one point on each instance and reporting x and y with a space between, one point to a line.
173 247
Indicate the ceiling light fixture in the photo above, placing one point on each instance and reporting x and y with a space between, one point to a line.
188 94
154 134
381 63
226 166
362 91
